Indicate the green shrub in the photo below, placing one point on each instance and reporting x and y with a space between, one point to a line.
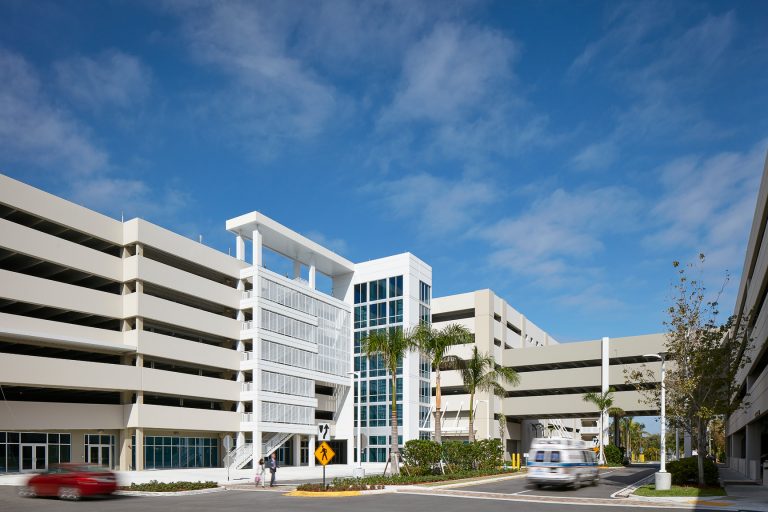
421 456
488 453
686 471
613 454
459 456
155 486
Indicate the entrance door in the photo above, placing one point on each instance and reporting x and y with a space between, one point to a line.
34 457
99 454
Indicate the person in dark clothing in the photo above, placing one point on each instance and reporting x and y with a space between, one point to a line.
272 461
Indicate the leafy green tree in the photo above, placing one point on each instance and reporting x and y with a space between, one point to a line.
391 345
481 373
603 401
706 357
434 344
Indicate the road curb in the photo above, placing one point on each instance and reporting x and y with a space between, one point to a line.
171 493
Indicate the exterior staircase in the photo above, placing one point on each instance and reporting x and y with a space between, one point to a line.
243 454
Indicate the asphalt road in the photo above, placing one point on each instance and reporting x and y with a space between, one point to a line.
275 502
611 480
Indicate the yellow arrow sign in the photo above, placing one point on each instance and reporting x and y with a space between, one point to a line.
324 453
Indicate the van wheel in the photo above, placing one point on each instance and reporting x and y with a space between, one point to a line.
577 482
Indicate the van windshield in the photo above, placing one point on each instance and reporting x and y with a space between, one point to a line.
554 457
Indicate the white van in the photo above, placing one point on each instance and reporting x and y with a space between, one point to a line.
558 461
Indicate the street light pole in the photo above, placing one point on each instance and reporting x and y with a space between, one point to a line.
359 420
663 479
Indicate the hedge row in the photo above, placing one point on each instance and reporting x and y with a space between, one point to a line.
155 486
422 456
379 481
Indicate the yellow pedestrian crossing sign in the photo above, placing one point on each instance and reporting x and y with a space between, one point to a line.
324 453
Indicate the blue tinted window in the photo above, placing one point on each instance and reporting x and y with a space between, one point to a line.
396 286
361 293
396 311
554 457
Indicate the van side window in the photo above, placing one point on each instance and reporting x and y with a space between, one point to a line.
554 457
539 456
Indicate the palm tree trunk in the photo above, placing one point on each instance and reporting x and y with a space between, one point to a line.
472 417
601 457
438 412
394 454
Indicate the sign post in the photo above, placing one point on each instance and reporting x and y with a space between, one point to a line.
324 454
228 446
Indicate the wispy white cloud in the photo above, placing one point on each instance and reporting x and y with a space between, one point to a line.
274 94
662 66
35 131
439 205
596 156
706 204
112 78
552 242
451 72
38 134
458 97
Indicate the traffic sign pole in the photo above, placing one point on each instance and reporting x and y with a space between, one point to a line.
323 476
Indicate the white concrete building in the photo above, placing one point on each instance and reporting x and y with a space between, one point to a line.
747 429
393 292
553 376
124 344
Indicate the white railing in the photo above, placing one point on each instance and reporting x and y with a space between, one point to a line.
302 281
273 443
247 356
240 456
247 417
248 294
247 325
246 386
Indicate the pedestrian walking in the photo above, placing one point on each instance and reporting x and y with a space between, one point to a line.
261 477
272 469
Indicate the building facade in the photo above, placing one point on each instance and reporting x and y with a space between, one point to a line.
747 429
548 401
390 293
127 345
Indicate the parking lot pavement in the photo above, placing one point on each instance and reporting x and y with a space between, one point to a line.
238 501
611 480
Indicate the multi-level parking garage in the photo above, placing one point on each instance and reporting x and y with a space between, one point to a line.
553 376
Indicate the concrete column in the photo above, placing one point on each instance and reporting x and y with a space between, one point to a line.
296 269
312 273
240 248
256 439
124 462
139 449
296 449
752 455
312 448
257 252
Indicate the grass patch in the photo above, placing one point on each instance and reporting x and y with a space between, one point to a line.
680 491
155 486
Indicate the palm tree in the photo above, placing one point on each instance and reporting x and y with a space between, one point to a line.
616 413
391 345
603 401
434 344
481 373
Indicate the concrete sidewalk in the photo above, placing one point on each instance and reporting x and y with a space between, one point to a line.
287 476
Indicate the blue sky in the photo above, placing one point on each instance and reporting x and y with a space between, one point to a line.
560 153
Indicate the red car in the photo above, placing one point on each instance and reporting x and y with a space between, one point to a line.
71 482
